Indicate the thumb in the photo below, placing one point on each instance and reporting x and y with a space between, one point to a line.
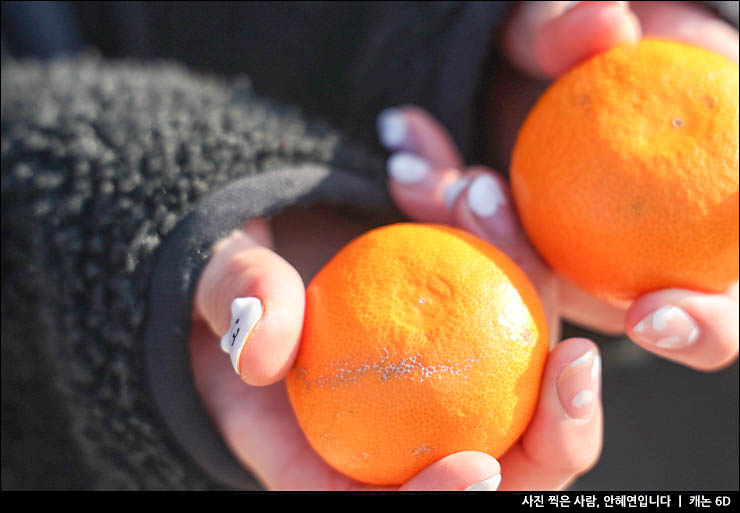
254 300
462 471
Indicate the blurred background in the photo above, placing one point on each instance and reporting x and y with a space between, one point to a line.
666 427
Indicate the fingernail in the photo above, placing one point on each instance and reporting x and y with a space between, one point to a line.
407 168
487 485
485 196
668 327
578 385
487 201
450 194
392 128
245 312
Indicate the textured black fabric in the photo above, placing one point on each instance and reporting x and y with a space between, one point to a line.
296 52
343 61
99 164
436 63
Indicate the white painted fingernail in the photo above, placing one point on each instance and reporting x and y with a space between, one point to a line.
668 327
578 385
582 398
488 485
392 128
485 196
596 368
449 196
407 168
245 313
578 361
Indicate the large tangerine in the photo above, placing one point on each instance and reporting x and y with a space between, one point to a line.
625 173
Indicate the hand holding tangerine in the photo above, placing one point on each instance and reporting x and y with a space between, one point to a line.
254 414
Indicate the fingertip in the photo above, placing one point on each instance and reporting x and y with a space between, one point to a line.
565 435
413 130
584 30
272 346
485 207
462 471
699 330
577 367
254 300
519 33
570 354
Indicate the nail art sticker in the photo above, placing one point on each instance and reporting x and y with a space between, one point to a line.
245 312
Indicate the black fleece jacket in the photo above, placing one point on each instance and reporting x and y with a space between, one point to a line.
118 176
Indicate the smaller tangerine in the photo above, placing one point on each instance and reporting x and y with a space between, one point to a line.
419 341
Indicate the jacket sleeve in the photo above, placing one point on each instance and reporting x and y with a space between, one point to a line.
116 180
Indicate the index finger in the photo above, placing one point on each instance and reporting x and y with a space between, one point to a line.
254 299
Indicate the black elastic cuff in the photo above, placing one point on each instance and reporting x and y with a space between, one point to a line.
181 260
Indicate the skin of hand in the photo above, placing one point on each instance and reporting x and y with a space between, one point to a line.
251 410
